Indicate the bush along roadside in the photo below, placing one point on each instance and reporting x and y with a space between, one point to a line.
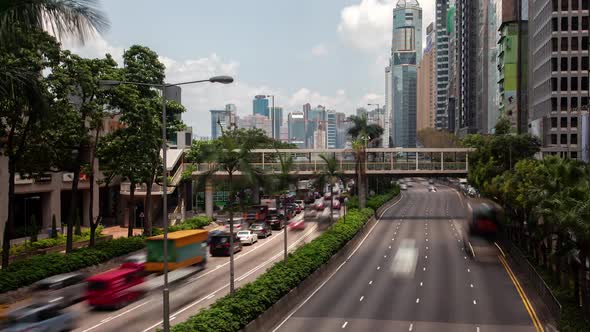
191 223
231 313
27 271
374 202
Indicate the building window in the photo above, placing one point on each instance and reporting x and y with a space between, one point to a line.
574 83
584 22
584 63
553 138
574 102
575 5
564 24
584 102
574 139
563 86
564 44
574 65
563 104
574 23
563 122
563 139
553 64
553 84
554 44
554 122
585 4
574 155
584 43
563 64
555 5
554 24
574 43
554 106
574 122
585 83
564 5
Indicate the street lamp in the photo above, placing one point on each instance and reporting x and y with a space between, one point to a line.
163 86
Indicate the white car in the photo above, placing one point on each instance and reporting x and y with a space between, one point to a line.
247 237
238 226
432 189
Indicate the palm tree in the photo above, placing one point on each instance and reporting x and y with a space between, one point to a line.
63 18
284 180
230 156
362 133
329 175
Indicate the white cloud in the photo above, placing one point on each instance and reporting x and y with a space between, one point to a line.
367 25
200 98
319 50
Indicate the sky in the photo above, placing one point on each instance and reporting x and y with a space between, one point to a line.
323 52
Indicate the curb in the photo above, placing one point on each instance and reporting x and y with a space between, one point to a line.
269 319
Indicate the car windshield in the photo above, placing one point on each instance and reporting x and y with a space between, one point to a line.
243 233
256 227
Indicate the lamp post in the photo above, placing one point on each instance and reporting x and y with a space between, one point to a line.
163 86
272 116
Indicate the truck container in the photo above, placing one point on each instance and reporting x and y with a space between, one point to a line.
185 248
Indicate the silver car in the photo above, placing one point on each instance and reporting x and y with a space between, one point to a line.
41 317
62 289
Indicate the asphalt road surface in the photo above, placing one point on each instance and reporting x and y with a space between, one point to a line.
198 291
411 273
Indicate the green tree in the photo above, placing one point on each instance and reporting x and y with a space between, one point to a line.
23 108
329 175
230 156
285 178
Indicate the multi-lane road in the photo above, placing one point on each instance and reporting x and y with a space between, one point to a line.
197 292
411 273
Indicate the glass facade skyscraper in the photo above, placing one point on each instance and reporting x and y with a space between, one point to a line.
406 52
260 105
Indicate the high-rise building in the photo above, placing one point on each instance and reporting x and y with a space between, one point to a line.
256 121
466 15
315 118
332 130
427 86
221 118
442 62
406 52
284 135
558 54
454 68
319 141
276 115
361 111
260 105
342 126
387 138
297 129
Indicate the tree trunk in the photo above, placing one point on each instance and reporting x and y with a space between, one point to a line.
331 204
362 187
132 209
93 223
73 208
9 227
231 236
147 216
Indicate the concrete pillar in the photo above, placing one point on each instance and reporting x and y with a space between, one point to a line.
51 206
3 194
209 197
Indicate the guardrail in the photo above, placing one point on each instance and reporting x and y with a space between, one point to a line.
531 274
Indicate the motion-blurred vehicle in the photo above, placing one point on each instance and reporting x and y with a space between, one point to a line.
320 206
431 188
247 236
484 217
295 208
297 225
276 221
409 184
336 204
261 230
220 244
113 289
62 289
309 200
238 225
403 186
213 233
136 261
42 317
430 181
301 204
256 213
185 248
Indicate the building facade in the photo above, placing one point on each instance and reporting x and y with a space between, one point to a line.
297 129
406 53
277 121
260 105
441 50
466 46
387 138
331 130
427 113
221 118
256 121
558 53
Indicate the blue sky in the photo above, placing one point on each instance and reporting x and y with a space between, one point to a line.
328 52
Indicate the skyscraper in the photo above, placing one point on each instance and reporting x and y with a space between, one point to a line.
260 105
221 118
406 52
558 76
315 118
297 125
342 126
256 121
332 131
387 138
427 85
466 15
442 63
277 120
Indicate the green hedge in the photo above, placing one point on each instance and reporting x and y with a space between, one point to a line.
51 242
191 223
374 202
27 271
231 313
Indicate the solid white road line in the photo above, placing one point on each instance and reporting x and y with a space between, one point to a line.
117 316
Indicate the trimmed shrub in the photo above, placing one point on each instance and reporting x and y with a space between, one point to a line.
231 313
191 223
27 271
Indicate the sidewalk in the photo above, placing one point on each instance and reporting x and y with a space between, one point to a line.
118 232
